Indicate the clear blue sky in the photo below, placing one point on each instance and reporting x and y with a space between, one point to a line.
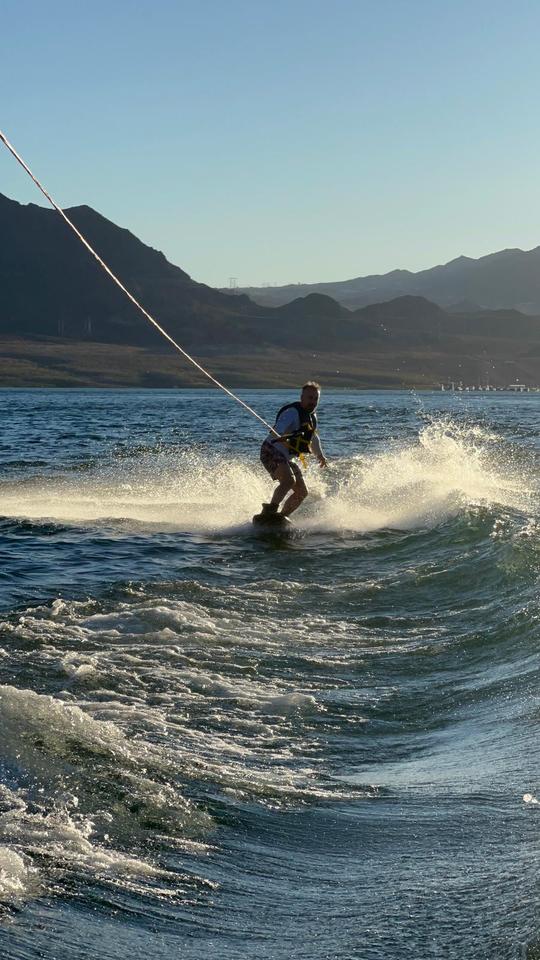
284 140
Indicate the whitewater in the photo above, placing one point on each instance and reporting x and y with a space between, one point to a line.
217 743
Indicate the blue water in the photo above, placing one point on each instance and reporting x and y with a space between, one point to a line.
217 744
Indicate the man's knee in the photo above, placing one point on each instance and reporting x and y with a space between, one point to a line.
285 478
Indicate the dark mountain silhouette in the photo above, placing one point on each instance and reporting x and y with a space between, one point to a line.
509 279
63 321
51 286
311 306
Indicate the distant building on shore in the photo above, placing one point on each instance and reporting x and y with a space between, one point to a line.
453 386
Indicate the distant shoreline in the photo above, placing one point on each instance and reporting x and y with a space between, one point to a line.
532 391
50 363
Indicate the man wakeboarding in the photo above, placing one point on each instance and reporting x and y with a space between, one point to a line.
295 436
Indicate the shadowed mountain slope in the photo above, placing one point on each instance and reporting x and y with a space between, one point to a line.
50 285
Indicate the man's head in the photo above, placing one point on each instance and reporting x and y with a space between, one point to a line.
309 397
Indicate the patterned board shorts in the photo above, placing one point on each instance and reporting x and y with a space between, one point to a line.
272 458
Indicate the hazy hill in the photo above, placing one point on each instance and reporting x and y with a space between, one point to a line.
509 279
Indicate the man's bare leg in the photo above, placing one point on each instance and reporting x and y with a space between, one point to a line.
297 497
286 483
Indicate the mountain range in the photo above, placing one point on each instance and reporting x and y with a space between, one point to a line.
63 322
509 279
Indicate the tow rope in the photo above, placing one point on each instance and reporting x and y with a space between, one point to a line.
130 296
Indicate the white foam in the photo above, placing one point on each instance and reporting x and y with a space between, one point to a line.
59 741
85 790
18 881
292 703
177 652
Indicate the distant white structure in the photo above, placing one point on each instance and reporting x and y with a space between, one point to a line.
457 386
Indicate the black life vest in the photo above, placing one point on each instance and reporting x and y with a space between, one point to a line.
299 442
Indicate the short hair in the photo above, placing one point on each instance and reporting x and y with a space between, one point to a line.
312 383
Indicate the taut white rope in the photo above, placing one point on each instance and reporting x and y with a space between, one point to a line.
119 283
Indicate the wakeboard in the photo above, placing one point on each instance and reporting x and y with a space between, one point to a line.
275 522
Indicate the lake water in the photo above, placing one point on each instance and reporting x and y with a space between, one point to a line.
217 744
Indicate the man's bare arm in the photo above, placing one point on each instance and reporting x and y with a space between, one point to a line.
317 450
